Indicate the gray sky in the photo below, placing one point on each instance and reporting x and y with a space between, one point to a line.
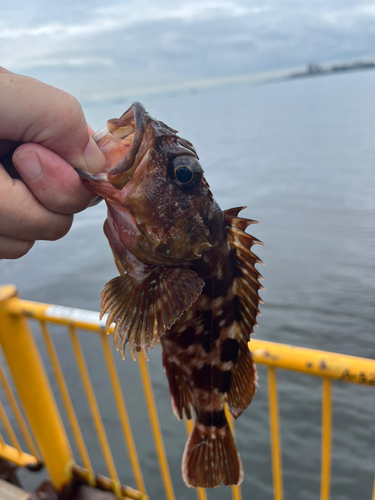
94 50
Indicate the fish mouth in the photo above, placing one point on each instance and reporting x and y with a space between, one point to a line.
119 141
120 174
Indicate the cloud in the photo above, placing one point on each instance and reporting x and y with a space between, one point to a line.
60 30
143 43
189 11
74 62
349 17
114 17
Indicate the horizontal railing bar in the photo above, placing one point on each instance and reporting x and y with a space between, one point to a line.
313 362
19 458
80 318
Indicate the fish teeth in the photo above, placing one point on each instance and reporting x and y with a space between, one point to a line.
122 132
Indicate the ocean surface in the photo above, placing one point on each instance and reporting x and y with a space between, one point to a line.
301 156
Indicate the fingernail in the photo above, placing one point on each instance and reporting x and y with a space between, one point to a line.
94 158
28 164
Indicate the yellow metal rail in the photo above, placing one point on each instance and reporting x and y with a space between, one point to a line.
47 429
275 435
124 419
66 399
18 416
313 362
326 439
34 391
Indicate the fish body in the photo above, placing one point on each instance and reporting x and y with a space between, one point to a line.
208 364
187 278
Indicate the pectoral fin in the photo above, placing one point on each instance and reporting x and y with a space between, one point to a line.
143 309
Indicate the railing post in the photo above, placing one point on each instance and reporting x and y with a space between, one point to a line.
326 439
277 476
34 390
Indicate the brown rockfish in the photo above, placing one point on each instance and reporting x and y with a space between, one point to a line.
187 278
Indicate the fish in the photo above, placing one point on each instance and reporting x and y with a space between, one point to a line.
187 279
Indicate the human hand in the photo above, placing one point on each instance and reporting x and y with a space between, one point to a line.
43 134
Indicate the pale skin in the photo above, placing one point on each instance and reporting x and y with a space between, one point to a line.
43 136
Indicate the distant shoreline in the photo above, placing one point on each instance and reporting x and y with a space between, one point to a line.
260 78
313 69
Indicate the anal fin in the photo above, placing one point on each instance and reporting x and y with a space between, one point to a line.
243 381
178 387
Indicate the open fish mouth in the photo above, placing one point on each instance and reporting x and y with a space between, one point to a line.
120 141
120 174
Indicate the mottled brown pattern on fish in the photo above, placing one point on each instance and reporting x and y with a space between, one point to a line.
206 341
187 277
207 346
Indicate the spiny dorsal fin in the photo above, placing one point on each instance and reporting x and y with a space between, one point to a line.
143 309
233 212
247 275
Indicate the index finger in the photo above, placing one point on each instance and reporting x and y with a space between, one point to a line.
35 112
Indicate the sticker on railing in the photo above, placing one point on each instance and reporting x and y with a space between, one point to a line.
73 314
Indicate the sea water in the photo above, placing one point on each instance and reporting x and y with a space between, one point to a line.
300 154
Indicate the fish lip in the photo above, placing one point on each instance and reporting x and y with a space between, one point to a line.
118 175
89 176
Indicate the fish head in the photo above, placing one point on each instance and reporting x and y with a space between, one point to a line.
159 204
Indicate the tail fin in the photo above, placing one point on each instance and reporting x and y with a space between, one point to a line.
210 457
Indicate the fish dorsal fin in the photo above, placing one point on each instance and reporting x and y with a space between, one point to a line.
143 309
243 382
247 280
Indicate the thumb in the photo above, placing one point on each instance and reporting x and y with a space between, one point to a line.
51 180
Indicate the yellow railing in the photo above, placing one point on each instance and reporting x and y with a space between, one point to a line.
47 432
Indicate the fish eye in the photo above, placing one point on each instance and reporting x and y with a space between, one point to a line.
183 174
186 172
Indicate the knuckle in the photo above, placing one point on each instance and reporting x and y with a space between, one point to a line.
66 118
70 110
